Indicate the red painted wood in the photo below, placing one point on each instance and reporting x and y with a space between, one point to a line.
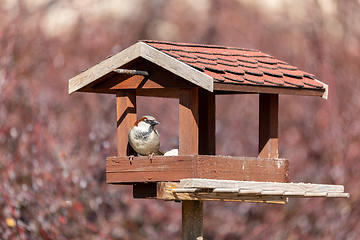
126 117
268 125
188 121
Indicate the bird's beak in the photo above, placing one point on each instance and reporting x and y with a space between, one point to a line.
153 123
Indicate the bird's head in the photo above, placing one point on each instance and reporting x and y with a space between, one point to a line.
146 122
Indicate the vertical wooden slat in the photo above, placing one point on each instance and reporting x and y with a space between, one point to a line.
188 121
126 117
206 122
192 211
268 125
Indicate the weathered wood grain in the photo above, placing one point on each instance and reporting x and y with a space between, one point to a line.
165 192
223 190
175 168
260 186
192 220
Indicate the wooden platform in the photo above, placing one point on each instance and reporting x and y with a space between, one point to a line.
245 191
172 191
174 168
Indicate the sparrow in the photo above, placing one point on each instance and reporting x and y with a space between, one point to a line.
144 139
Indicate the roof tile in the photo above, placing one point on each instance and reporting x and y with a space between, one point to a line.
217 77
286 66
233 77
292 73
206 56
311 82
246 59
254 79
217 69
197 66
271 71
234 70
274 80
267 60
253 71
228 63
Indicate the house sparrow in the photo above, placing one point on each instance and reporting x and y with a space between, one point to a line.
144 139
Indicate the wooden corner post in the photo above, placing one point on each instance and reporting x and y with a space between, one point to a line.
126 116
192 211
206 122
268 125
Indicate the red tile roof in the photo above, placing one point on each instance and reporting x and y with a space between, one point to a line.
238 65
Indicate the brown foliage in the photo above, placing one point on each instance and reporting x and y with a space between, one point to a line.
53 146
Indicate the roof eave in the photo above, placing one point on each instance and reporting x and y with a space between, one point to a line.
242 88
326 87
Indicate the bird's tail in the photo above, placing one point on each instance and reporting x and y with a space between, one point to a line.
160 152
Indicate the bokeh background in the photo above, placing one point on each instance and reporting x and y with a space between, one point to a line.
53 145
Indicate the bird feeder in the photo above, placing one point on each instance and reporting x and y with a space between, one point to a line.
195 74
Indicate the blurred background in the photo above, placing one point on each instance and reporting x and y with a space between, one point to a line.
53 145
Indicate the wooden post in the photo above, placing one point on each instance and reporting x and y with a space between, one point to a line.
206 122
192 211
188 121
192 220
268 125
126 117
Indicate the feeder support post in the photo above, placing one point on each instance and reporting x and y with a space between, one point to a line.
268 125
192 211
206 122
126 116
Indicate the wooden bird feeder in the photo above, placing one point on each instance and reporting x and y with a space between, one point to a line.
195 74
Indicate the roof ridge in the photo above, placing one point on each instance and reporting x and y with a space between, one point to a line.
199 45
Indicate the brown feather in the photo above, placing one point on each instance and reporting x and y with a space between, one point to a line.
139 120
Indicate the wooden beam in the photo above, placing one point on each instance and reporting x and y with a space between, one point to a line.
175 168
268 125
131 72
158 78
188 121
206 122
226 88
126 117
164 93
166 191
